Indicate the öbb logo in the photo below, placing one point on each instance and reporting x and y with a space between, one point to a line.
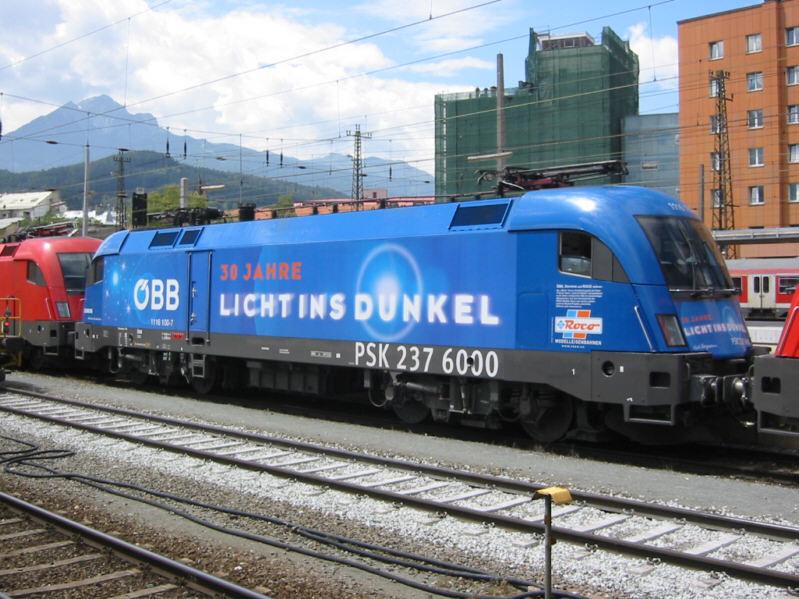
156 294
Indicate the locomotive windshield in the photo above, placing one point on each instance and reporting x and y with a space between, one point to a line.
74 267
688 256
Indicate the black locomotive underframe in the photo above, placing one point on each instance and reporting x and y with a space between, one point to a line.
649 387
775 395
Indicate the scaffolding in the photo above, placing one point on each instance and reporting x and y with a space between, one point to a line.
568 111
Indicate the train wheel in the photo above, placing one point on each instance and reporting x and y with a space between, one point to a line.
551 422
409 410
208 383
138 378
35 359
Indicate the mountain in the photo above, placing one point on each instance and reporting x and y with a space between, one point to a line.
151 171
109 126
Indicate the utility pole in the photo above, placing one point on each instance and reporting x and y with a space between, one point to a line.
724 208
357 165
85 190
500 114
121 159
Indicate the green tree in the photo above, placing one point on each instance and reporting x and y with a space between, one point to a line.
168 198
284 205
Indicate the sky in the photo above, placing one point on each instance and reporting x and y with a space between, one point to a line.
298 75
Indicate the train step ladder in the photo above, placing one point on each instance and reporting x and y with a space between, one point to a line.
198 366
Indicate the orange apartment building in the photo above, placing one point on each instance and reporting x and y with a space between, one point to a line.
759 47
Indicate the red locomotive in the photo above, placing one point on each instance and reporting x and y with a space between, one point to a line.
775 380
41 294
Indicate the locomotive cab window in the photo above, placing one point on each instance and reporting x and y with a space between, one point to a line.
575 253
689 257
96 271
584 255
35 274
74 267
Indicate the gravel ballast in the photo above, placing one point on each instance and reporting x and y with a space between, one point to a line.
509 553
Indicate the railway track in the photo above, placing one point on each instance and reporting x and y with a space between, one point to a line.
46 555
741 461
757 551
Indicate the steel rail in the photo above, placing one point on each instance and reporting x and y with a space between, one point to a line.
196 579
740 570
499 482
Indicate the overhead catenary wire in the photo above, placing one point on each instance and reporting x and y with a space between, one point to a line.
109 113
19 61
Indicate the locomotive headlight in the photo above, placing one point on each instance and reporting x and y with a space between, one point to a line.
672 331
63 309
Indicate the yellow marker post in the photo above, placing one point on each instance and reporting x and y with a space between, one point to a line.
560 496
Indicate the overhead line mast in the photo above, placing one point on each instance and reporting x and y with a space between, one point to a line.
357 165
121 159
723 206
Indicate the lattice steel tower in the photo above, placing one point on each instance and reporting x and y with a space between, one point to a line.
723 206
121 159
357 165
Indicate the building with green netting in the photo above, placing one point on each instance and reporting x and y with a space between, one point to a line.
568 111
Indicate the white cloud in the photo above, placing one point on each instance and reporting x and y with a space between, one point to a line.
172 48
463 30
451 67
657 57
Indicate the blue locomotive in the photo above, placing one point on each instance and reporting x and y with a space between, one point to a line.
568 310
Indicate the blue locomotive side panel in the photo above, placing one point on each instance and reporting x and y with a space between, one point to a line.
420 290
141 290
565 312
458 290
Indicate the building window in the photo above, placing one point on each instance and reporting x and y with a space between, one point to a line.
754 81
792 75
715 124
715 161
756 195
754 43
716 50
792 36
754 118
793 113
793 192
714 87
716 195
755 156
793 153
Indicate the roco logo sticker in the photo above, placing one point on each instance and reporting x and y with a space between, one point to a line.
578 324
156 294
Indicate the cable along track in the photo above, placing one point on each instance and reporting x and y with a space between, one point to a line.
757 551
44 554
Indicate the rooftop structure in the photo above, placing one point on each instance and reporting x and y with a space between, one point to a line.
568 111
757 47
